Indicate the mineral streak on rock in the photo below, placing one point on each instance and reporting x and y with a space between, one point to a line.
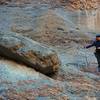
29 52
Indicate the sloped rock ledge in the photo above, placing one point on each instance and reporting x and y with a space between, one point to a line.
29 52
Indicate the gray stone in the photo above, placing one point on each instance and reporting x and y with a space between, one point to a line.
29 52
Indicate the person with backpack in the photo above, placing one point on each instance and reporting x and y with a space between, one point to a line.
96 43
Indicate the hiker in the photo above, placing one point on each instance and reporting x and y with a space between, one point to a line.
96 43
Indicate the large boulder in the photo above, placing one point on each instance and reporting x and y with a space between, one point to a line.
29 52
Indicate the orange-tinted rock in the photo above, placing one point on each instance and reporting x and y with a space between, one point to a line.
29 52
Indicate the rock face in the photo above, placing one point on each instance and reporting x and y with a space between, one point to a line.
84 4
76 4
28 84
29 52
56 27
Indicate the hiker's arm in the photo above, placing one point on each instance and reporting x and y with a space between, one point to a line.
91 45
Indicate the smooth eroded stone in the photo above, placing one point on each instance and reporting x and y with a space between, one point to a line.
29 52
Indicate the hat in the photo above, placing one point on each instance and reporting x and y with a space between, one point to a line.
98 35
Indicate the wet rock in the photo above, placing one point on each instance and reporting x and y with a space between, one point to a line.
29 52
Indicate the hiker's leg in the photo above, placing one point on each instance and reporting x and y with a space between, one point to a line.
99 68
97 54
99 63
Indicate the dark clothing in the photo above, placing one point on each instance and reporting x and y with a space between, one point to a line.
97 51
97 55
95 43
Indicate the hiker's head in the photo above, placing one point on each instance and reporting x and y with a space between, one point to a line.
98 37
